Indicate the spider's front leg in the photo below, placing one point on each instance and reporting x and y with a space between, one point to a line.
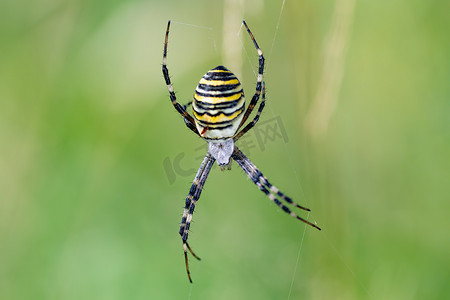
188 120
191 200
255 97
256 118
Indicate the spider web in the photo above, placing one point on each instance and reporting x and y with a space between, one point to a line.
288 154
299 185
254 70
349 7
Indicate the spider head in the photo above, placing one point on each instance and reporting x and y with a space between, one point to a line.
221 151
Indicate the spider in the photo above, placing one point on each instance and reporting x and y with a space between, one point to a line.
219 112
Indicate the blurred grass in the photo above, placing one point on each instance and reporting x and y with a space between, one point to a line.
87 210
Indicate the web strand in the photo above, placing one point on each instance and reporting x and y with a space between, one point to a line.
193 25
275 34
290 156
299 186
190 292
298 259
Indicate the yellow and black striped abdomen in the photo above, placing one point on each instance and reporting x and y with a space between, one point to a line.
218 104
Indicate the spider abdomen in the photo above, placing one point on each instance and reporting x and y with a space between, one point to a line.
218 104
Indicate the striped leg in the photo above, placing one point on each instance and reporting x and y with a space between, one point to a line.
263 184
192 192
187 117
191 200
252 123
255 97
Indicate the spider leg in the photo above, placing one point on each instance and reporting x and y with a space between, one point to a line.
263 184
191 200
256 118
190 123
192 192
255 97
186 208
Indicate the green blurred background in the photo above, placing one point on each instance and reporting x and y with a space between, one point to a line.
95 163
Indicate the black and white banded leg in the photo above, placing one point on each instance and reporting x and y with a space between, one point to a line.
255 97
192 191
256 118
191 200
263 184
188 120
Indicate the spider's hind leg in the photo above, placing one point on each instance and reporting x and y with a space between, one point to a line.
191 200
277 192
263 185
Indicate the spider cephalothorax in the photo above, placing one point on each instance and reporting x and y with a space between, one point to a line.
219 112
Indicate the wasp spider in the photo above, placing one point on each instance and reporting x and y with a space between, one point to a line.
219 112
